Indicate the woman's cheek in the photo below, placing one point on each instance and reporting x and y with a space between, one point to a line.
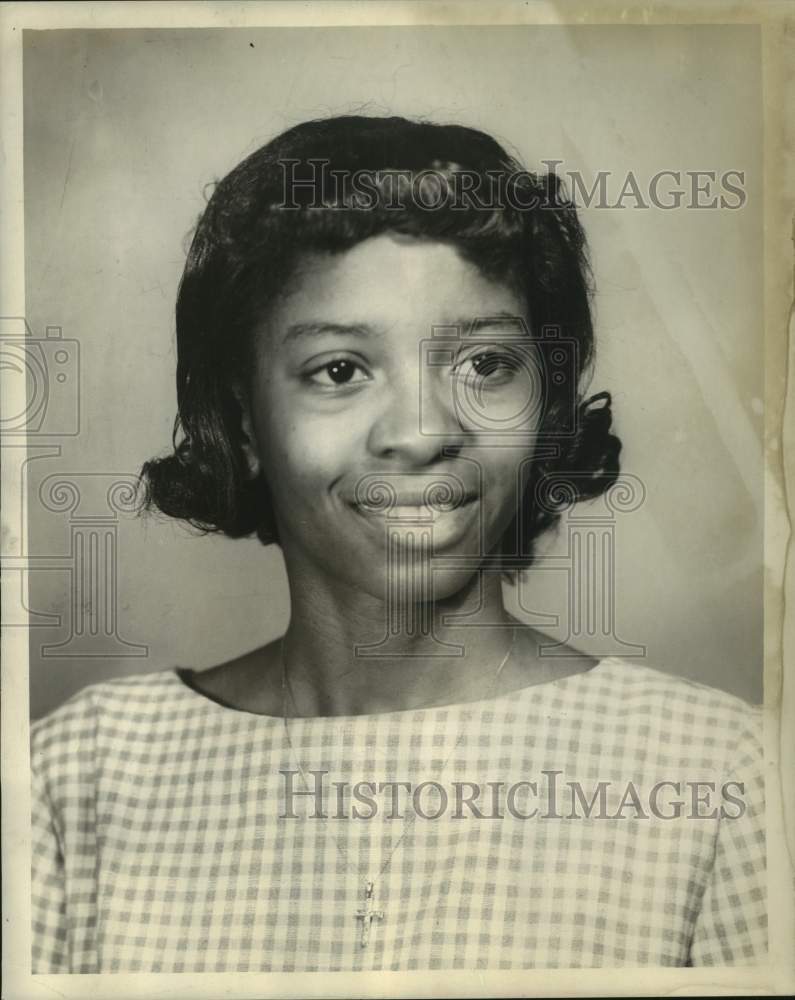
308 464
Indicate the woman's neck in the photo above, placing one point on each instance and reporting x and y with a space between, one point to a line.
343 656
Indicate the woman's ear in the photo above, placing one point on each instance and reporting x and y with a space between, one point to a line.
248 441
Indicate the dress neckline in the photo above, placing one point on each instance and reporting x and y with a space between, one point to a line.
181 676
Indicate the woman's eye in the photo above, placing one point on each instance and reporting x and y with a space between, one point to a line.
339 372
493 366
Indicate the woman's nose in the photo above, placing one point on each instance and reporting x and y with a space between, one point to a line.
415 424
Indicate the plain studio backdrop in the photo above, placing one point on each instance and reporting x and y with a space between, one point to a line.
125 129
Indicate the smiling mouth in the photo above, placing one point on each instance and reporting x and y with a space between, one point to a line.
413 506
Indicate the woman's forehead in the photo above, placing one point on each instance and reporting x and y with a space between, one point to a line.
388 277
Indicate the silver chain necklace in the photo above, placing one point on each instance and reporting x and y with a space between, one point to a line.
368 912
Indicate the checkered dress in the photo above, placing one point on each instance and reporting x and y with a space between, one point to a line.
170 833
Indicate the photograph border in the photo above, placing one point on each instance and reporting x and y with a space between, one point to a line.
777 977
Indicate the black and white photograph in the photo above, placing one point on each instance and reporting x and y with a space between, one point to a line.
394 500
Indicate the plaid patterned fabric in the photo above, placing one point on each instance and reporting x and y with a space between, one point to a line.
162 840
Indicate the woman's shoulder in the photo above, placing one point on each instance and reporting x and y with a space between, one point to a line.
640 681
682 713
121 704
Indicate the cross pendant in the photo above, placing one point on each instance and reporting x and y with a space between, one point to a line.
367 914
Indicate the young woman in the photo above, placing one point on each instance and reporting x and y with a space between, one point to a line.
383 331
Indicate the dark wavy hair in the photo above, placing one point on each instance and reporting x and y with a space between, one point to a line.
254 231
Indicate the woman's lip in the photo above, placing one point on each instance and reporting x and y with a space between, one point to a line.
408 506
449 527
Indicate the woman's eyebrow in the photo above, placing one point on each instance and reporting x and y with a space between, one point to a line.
317 329
471 325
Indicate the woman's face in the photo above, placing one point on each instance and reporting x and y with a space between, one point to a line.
395 363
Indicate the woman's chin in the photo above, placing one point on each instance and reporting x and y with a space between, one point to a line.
411 585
